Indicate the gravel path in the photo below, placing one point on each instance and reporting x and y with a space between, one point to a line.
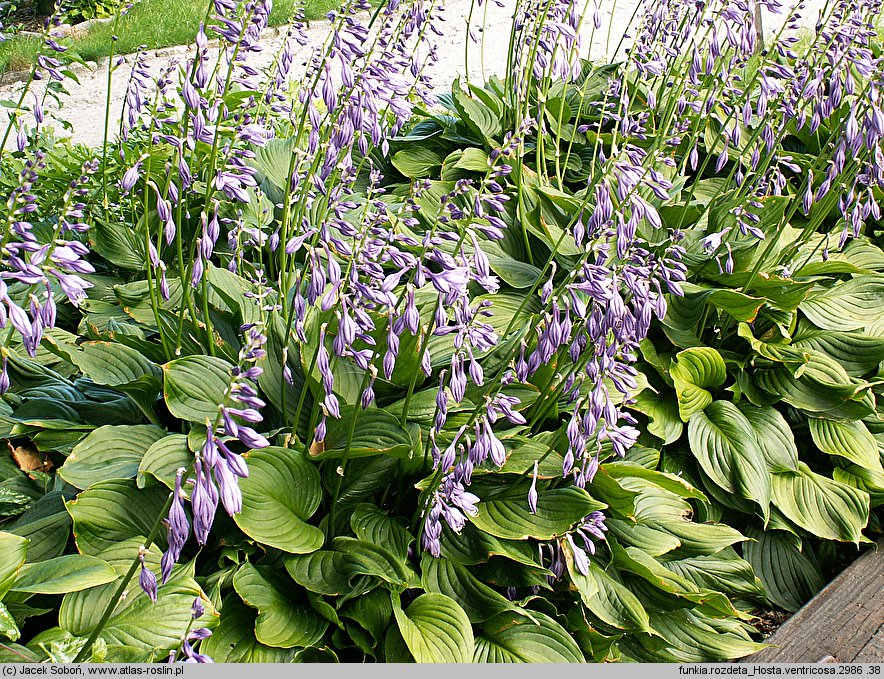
84 107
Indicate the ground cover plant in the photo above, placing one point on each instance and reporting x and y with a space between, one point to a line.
578 364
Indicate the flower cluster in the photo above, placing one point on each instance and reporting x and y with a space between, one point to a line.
30 267
217 467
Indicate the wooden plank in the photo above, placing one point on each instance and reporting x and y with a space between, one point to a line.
845 620
873 652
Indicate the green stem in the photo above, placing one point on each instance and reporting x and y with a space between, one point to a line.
107 107
112 604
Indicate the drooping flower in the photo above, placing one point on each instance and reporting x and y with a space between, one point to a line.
147 580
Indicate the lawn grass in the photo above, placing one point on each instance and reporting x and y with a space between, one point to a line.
155 23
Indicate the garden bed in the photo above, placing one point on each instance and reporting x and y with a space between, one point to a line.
580 362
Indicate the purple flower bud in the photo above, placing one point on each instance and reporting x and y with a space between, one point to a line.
148 581
130 178
4 377
581 560
532 492
251 438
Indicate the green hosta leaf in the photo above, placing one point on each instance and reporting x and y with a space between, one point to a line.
607 489
790 577
435 629
377 561
635 561
372 525
848 305
46 525
510 637
164 458
64 574
280 493
273 162
395 649
158 626
693 637
739 305
16 653
374 432
522 452
373 611
663 413
472 546
118 243
417 162
701 538
113 364
473 159
112 511
612 602
869 480
774 436
826 508
324 572
57 645
480 119
724 443
13 550
647 538
363 478
664 524
80 611
234 291
194 387
233 641
13 503
782 293
850 440
693 371
723 571
281 622
513 272
557 512
8 626
846 402
138 624
447 577
857 352
109 452
625 470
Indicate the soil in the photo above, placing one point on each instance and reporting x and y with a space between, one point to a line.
768 622
24 19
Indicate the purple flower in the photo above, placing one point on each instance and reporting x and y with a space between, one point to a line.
191 656
204 502
177 529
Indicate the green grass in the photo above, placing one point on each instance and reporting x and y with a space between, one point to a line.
17 54
155 23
